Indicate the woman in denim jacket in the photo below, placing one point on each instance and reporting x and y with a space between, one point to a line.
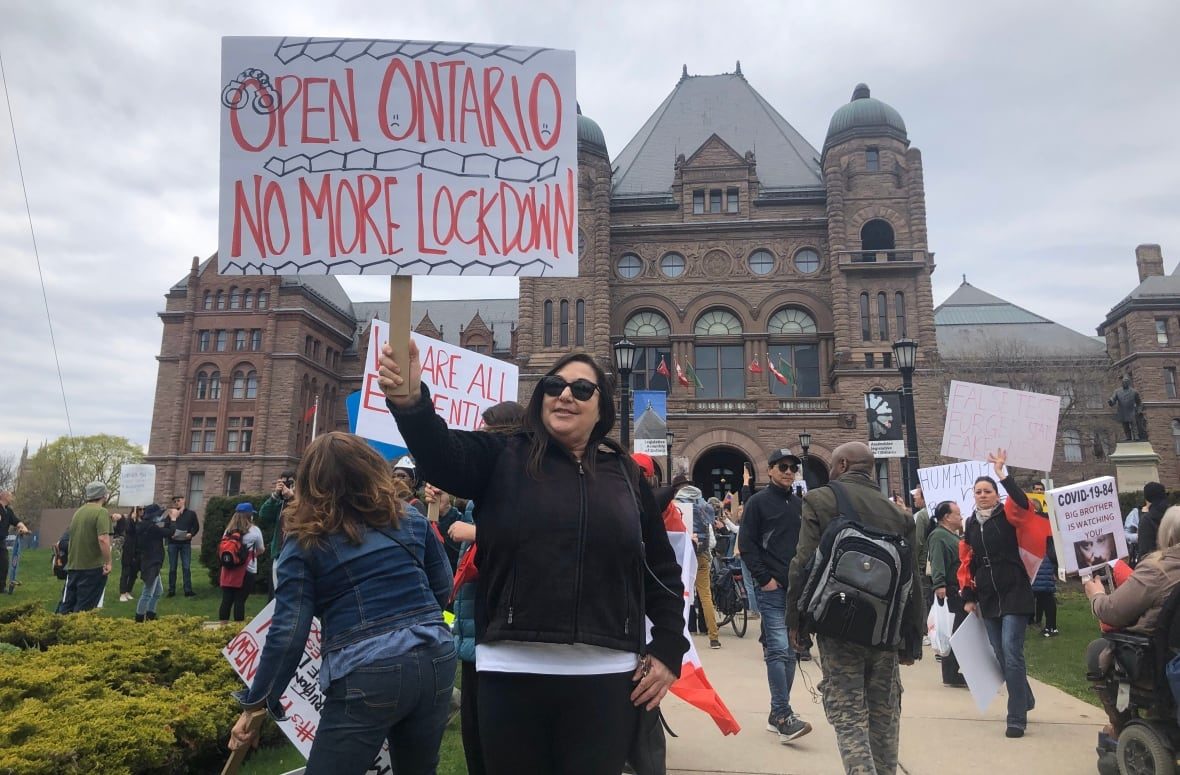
372 570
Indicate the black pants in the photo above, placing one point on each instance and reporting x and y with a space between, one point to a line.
4 565
235 596
950 665
84 589
1046 608
469 720
127 573
555 724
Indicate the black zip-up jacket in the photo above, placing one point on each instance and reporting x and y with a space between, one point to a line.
1001 581
1149 526
769 533
187 522
560 558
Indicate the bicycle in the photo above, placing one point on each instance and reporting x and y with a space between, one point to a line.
729 590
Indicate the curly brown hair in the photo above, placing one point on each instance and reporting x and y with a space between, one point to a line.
342 486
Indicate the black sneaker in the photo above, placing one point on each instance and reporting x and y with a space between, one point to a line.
714 644
803 656
172 593
190 594
789 727
1014 732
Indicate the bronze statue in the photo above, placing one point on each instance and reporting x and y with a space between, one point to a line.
1129 409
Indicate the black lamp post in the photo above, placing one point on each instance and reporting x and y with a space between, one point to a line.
669 436
905 353
624 361
805 442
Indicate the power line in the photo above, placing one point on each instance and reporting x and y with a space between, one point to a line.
36 252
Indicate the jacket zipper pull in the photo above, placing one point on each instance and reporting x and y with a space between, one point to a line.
510 614
581 472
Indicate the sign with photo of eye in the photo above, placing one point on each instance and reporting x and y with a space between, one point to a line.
396 157
885 419
1089 524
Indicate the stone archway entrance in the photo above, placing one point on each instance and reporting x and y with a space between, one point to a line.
719 470
815 473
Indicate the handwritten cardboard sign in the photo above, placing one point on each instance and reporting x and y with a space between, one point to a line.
955 482
981 419
1089 524
354 156
137 484
462 385
303 700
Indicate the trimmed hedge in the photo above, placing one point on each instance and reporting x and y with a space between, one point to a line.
95 695
218 512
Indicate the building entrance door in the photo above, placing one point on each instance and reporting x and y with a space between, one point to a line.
719 470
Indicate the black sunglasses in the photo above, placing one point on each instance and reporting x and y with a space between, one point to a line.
581 389
787 467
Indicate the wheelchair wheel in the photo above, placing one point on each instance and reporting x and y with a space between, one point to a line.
1142 751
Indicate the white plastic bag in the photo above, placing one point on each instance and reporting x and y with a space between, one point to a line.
940 624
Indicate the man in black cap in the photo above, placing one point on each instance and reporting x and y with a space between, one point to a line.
1151 516
770 531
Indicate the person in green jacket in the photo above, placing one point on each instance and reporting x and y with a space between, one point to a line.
270 515
942 547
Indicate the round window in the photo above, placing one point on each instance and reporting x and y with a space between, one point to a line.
629 266
672 264
761 262
807 261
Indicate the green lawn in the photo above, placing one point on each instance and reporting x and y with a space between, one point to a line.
38 583
1061 661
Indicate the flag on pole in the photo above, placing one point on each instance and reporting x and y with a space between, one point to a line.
777 374
683 380
788 369
692 373
315 416
755 366
310 413
662 369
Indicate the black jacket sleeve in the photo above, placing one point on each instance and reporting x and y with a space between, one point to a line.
662 587
458 462
1014 491
750 545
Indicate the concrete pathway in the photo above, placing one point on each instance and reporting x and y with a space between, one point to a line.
941 730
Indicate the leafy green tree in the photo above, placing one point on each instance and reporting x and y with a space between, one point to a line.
58 474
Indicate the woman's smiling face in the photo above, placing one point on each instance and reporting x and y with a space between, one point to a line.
568 419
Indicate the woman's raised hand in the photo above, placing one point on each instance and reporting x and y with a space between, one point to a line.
998 459
391 375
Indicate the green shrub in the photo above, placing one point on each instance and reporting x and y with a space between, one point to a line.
88 694
218 512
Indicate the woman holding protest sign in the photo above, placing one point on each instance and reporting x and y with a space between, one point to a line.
994 580
374 572
572 555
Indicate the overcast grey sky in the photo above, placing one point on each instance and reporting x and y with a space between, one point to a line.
1047 129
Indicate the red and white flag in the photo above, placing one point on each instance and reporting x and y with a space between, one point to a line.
693 685
755 366
662 369
683 380
777 374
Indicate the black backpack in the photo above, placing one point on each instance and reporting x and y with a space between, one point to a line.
232 551
858 581
61 555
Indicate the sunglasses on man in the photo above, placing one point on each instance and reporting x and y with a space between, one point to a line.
787 467
581 389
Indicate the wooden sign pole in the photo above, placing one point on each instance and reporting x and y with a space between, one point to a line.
236 757
401 290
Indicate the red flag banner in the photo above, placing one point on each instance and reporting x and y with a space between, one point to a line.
755 366
662 369
777 374
309 413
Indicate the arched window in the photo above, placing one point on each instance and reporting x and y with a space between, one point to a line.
1071 444
866 328
548 323
649 331
235 298
248 300
221 300
580 323
239 385
251 384
790 320
563 323
202 385
208 300
263 299
876 236
899 310
883 316
215 386
720 370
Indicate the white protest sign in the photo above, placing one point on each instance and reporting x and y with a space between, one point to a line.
303 700
981 419
462 385
137 484
1089 524
977 661
363 156
956 482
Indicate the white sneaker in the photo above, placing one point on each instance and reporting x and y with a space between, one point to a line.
125 598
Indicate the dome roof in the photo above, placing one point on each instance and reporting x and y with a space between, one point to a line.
590 134
864 116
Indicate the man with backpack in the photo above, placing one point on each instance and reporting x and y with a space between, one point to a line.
861 687
770 530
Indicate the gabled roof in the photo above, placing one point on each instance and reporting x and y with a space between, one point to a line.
499 315
973 323
726 105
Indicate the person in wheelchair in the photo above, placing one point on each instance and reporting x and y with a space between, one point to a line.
1133 607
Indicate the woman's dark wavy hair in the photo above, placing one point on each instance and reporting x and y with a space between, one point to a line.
535 427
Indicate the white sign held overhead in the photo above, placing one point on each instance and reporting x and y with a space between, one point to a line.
1089 524
137 484
462 385
396 157
981 419
956 482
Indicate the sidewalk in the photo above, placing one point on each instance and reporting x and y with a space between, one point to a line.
941 730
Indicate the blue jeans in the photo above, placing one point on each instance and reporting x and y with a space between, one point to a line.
776 649
149 597
185 552
404 699
751 588
1007 638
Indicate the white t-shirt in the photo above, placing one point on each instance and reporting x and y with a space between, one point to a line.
253 541
514 656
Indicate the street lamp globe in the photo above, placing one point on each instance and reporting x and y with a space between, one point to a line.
905 353
625 356
805 441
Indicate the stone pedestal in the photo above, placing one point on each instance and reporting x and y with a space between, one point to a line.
1135 464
